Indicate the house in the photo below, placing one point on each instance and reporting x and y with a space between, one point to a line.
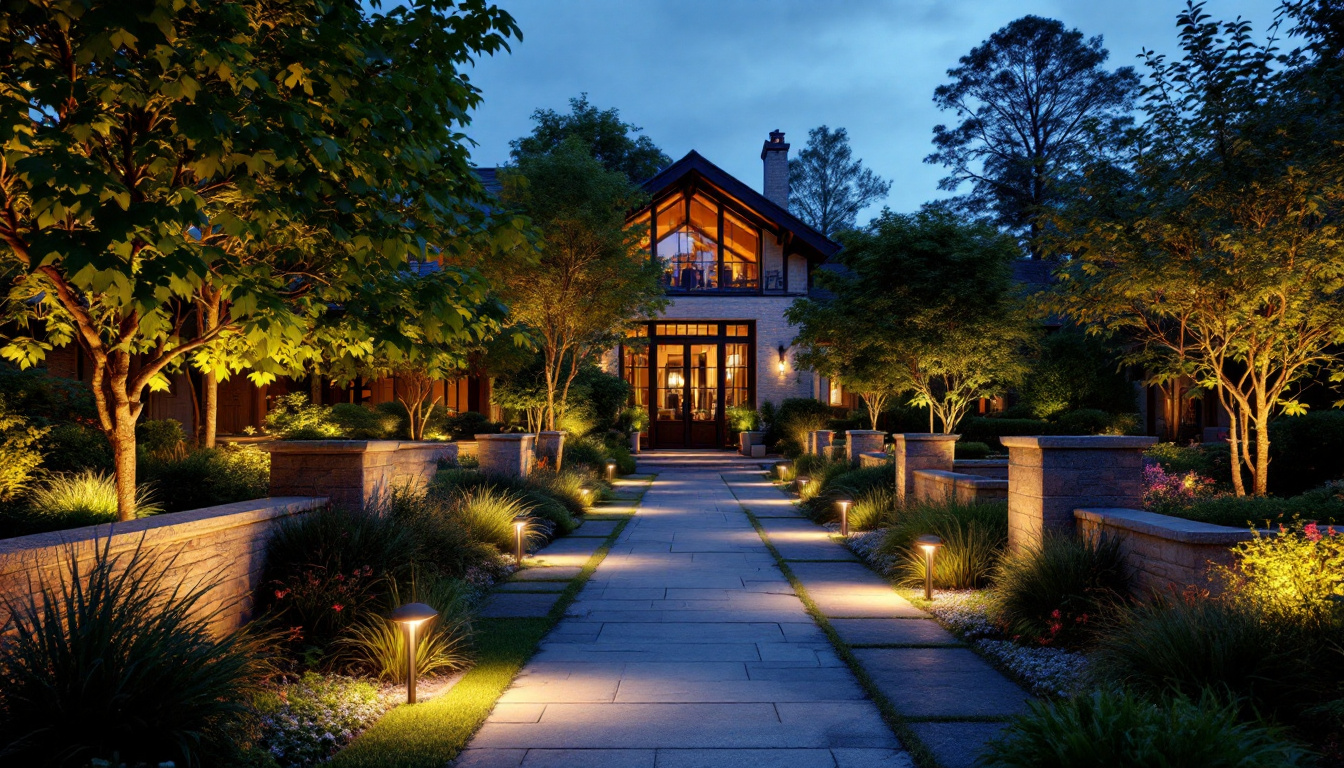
733 259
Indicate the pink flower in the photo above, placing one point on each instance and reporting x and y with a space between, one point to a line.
1312 532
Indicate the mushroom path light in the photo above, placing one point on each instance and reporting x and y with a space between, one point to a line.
411 616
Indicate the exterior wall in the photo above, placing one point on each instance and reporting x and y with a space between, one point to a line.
797 274
352 473
937 485
1165 554
223 545
771 332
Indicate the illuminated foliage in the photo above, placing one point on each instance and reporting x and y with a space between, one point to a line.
1295 576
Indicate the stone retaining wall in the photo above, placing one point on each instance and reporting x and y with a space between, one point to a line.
1164 553
874 460
937 485
353 473
224 545
992 468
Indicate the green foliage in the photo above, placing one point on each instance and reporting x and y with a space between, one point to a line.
1180 459
314 716
81 498
874 508
1058 592
544 495
1325 504
376 647
610 140
159 435
827 187
292 417
1076 370
74 448
205 477
47 400
601 394
972 534
591 453
467 424
1089 421
114 660
488 514
970 450
742 418
988 429
20 450
1121 729
359 422
838 478
634 419
792 420
1295 577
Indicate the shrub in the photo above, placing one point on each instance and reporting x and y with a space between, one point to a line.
1056 593
1117 728
468 424
159 436
359 422
310 719
592 453
82 498
625 461
45 399
1325 504
376 647
539 496
988 429
972 534
812 464
488 514
1166 492
742 418
1180 459
970 450
443 547
292 417
633 419
794 418
1295 577
873 509
1088 421
114 661
74 448
19 454
207 476
839 479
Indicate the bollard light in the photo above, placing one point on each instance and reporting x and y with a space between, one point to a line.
519 528
611 469
586 493
800 482
782 468
844 503
411 616
930 545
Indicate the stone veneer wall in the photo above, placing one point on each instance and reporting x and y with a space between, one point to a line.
353 473
996 469
510 454
937 485
224 545
1164 553
874 460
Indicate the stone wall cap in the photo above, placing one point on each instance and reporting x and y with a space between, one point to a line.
506 436
864 432
551 432
347 446
960 478
877 455
1082 442
980 463
1166 526
924 436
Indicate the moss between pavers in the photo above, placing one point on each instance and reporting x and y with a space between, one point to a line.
432 733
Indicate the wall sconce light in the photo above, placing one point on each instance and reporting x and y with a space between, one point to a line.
519 528
783 358
930 545
411 616
844 503
611 469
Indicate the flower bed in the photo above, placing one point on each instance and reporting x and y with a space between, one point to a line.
307 721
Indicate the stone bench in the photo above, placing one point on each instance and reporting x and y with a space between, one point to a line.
939 485
1164 553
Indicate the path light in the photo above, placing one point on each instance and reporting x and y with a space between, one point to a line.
801 482
782 468
930 545
519 528
586 492
411 616
611 469
844 503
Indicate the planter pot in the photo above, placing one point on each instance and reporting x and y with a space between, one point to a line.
634 442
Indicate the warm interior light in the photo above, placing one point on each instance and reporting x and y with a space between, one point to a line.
675 380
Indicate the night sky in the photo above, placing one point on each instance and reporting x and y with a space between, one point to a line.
717 75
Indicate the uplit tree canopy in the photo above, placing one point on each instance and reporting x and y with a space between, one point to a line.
923 301
1215 245
610 140
284 158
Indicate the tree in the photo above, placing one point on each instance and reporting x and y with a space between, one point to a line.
827 187
282 157
1035 102
1215 244
590 279
925 304
610 140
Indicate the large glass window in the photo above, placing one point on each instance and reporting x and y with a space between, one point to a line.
704 247
736 374
704 384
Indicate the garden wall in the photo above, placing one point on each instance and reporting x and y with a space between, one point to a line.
937 485
992 468
224 545
872 459
1164 553
353 473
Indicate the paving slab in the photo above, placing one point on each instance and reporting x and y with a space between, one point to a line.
542 573
801 539
942 682
573 552
893 632
532 586
957 745
512 605
598 528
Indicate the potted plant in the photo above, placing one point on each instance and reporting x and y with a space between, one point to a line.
635 420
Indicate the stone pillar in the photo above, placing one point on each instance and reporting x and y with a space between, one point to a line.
353 473
1050 477
747 439
821 442
551 446
920 450
507 454
863 441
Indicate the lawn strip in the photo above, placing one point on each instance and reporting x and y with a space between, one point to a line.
432 733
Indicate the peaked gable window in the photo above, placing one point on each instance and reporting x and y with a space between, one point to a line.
704 247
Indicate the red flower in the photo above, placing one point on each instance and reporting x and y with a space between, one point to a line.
281 593
337 607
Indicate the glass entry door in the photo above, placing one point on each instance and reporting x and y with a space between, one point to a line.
687 397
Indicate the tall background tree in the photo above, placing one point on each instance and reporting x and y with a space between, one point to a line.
828 186
1035 102
589 279
926 301
285 157
1215 245
611 141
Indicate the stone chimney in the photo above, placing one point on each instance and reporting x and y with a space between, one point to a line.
775 156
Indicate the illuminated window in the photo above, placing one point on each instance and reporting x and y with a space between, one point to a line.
684 329
736 374
837 395
741 245
737 330
636 372
704 247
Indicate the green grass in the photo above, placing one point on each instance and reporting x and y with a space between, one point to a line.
431 733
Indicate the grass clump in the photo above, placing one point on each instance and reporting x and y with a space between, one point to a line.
377 648
116 662
1056 593
973 536
1117 728
82 498
873 509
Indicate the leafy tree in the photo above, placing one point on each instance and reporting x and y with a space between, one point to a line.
1215 245
610 140
827 187
589 280
1073 370
284 158
1035 102
925 302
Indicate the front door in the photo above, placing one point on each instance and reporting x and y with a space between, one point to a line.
687 412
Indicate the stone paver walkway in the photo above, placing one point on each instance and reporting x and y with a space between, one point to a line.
688 648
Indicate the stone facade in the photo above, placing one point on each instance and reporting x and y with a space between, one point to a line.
867 460
222 545
1165 554
920 451
551 447
861 441
509 454
820 441
937 485
996 469
353 473
1050 477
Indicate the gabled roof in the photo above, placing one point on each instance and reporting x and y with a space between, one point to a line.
695 164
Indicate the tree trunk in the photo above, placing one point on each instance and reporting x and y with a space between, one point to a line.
1260 472
211 410
315 389
123 459
1234 443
